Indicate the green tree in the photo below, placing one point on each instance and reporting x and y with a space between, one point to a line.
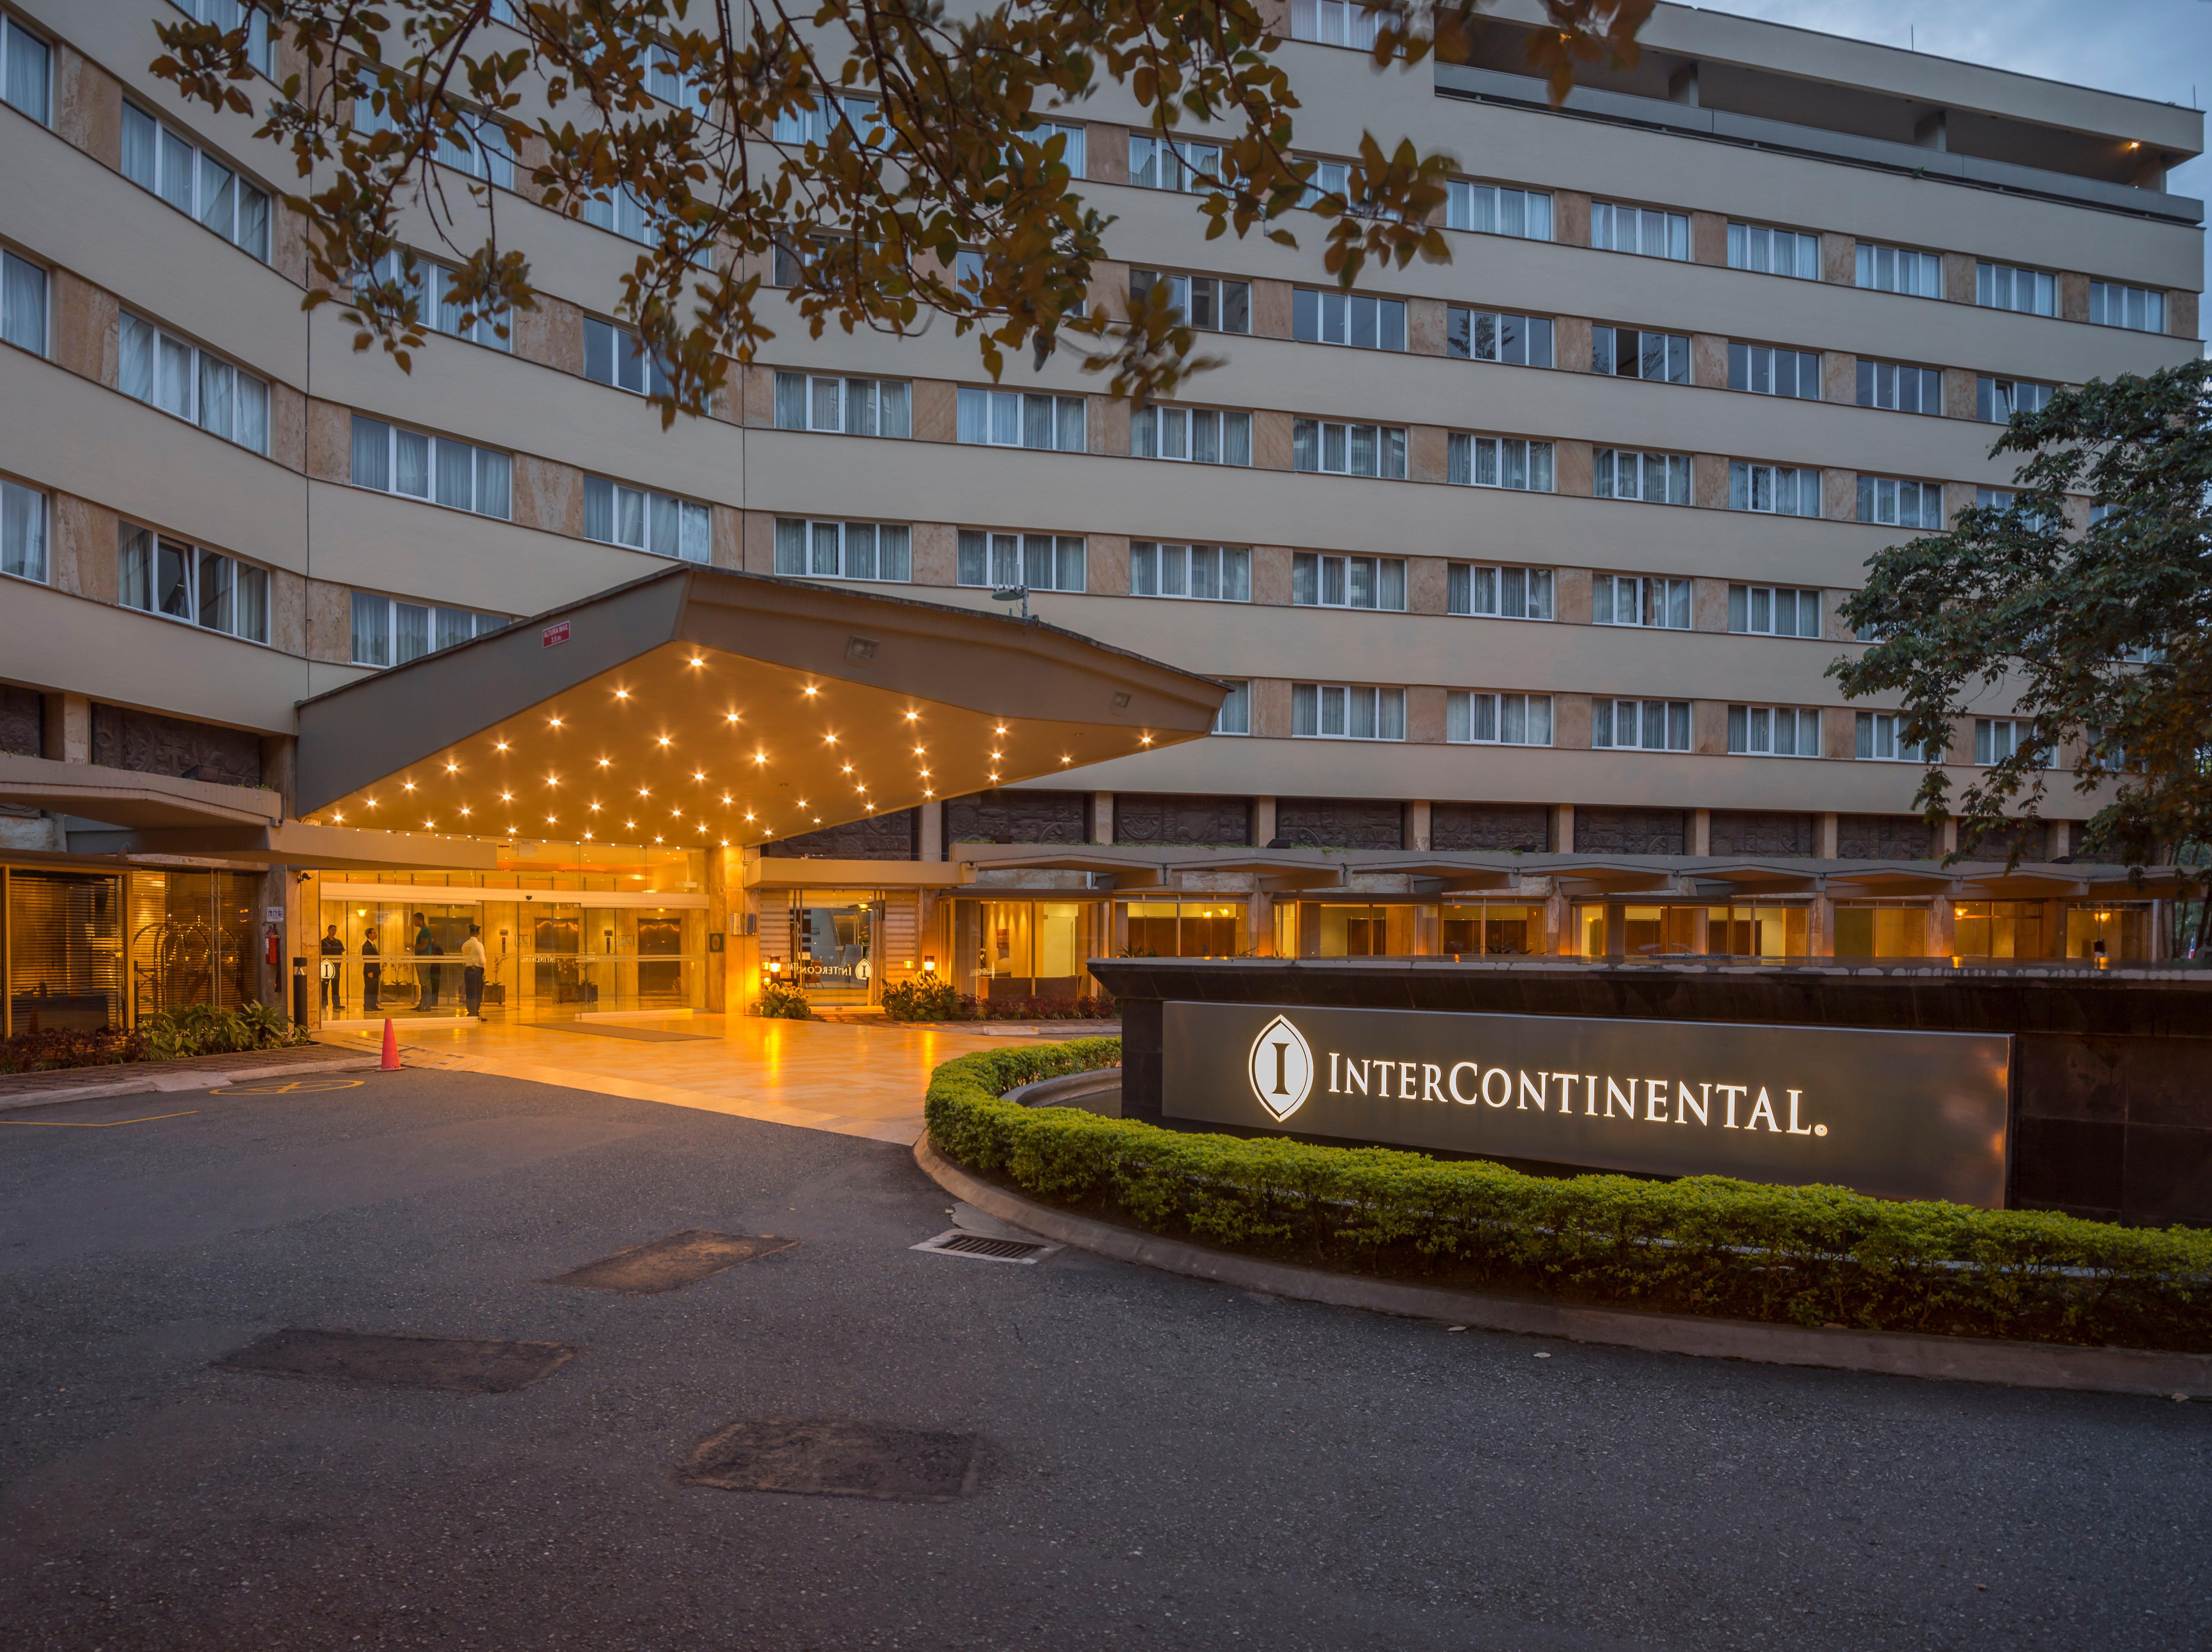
2100 632
909 136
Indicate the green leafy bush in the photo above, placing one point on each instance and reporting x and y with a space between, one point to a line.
929 997
782 1000
926 998
1707 1245
203 1030
51 1051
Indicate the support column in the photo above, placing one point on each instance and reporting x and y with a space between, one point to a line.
1947 840
303 908
1824 837
271 981
1563 829
1559 925
1616 931
933 829
2057 839
1417 825
1701 831
1942 929
717 964
1101 816
1260 924
66 735
1701 930
1821 925
1263 822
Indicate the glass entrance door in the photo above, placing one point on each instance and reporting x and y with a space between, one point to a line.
833 952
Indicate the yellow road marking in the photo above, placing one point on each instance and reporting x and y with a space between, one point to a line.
296 1087
73 1124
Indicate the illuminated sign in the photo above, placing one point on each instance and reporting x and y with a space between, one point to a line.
1899 1115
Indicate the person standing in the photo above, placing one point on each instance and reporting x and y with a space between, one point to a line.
333 956
473 969
372 973
426 946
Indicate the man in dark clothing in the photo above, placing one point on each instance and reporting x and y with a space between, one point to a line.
333 954
426 946
372 973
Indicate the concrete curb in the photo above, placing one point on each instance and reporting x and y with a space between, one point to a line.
2022 1364
199 1078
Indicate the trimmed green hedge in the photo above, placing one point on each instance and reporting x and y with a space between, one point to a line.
1813 1256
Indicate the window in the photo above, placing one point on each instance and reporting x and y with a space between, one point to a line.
1633 599
1207 302
1900 504
2111 305
1774 251
1499 593
1336 711
1041 561
156 574
1996 400
821 115
195 183
1235 716
1348 449
386 632
1320 582
2002 287
613 356
1997 738
1767 372
856 407
1203 435
1618 228
1776 487
1499 462
844 550
1628 354
1640 724
1901 389
179 377
1773 731
1334 318
24 60
443 312
1656 479
230 15
1487 335
1173 164
2000 497
654 522
1071 137
391 458
1013 418
1898 270
620 213
1766 610
1209 573
1491 209
22 304
1332 22
1497 718
1881 739
22 532
666 81
480 147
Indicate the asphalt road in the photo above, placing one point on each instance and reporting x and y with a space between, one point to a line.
1168 1463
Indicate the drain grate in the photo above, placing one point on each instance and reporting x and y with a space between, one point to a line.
456 1364
985 1248
827 1458
669 1263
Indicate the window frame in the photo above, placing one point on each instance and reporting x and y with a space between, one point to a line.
1463 584
1141 282
1745 606
1870 487
809 400
1674 229
1465 450
1925 380
984 547
1235 708
683 511
163 136
1605 469
1605 345
1310 569
978 406
199 359
1746 725
1745 361
1311 313
1672 597
1463 329
10 322
1742 235
1995 283
140 554
11 30
1318 692
477 468
1153 555
1461 196
1148 424
17 551
1987 395
1874 730
1354 23
809 547
1198 168
1669 724
481 625
2017 732
1461 706
1743 486
1386 451
1866 269
2102 297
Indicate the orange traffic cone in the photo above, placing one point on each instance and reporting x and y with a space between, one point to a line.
390 1047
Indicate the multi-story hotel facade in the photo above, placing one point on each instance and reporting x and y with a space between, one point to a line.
1523 571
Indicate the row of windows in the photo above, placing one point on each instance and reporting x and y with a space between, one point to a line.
157 575
1211 303
389 631
844 550
157 158
855 407
179 377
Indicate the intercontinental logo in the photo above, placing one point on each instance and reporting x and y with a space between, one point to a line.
1281 1068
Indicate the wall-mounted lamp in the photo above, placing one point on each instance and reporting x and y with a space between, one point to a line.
929 963
776 966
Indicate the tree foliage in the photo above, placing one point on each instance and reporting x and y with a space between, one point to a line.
909 134
2101 633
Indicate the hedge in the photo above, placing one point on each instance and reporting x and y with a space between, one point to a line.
1711 1245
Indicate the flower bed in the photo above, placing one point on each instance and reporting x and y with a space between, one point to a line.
201 1029
929 999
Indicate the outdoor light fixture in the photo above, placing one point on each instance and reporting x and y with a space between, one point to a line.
729 717
602 762
664 739
811 691
452 767
929 963
507 797
776 966
555 722
502 746
621 693
409 785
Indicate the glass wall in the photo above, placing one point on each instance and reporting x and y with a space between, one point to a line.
1881 929
64 950
1758 931
1998 929
192 937
2115 931
586 960
378 958
1483 930
1364 930
1028 947
1654 931
832 953
1206 928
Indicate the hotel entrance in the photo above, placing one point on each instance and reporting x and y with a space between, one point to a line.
832 950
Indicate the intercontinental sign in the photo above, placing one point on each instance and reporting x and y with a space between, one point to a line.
1899 1115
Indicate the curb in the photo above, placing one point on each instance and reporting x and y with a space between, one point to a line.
200 1078
1889 1353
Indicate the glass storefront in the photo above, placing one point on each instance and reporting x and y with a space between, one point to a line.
1998 929
1027 948
64 950
1881 929
1203 928
191 939
1483 930
1653 931
2123 928
833 948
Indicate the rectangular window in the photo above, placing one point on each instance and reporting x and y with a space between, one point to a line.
156 158
1655 478
1479 719
1174 164
1493 209
159 575
1765 371
2002 287
22 531
855 407
22 304
386 632
2111 305
1618 228
1490 336
1898 270
1321 581
1013 418
25 63
1071 137
1235 716
1348 449
1881 739
1498 592
493 330
1776 487
1204 435
1899 388
1633 600
1627 353
1207 573
1900 504
391 458
1498 462
1339 711
1640 724
1774 251
614 355
681 529
1767 611
1773 731
1038 561
844 550
1326 317
1997 738
823 113
179 377
1334 22
1208 303
1996 400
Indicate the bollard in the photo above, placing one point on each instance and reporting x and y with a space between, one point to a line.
299 993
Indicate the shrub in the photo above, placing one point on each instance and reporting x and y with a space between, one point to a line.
930 998
925 997
49 1051
203 1030
782 1000
1707 1245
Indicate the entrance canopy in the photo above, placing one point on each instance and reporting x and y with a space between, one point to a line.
702 706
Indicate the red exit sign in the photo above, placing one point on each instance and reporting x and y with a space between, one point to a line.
554 636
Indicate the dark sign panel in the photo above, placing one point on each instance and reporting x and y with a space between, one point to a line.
1899 1115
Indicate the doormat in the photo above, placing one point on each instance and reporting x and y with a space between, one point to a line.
455 1364
670 1263
830 1459
639 1035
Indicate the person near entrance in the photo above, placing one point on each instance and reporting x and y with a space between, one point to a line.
372 973
473 969
333 953
426 946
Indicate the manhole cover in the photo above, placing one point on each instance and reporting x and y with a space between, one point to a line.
987 1248
836 1460
457 1365
665 1264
